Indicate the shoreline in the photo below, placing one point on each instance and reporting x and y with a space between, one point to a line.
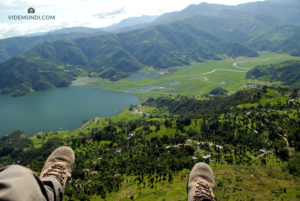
82 81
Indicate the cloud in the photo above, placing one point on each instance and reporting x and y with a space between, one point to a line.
89 13
110 14
12 5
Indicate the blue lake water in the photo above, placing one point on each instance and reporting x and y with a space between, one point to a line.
59 108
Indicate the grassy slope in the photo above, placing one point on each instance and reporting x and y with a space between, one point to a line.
271 97
193 79
233 182
40 138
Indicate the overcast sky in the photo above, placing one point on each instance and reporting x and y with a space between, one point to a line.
87 13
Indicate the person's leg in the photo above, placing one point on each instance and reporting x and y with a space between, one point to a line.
201 183
18 183
57 171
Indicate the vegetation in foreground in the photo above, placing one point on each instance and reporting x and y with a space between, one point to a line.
251 140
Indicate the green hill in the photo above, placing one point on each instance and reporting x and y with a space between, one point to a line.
11 47
287 72
269 25
285 11
255 31
281 38
19 76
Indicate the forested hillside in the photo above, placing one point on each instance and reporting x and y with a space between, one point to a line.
287 73
284 11
255 130
11 47
20 76
268 25
280 38
258 32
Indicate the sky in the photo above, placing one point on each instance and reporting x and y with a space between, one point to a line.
84 13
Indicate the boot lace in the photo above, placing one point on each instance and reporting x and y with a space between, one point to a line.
203 192
58 171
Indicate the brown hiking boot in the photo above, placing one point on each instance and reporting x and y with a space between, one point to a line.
201 183
58 169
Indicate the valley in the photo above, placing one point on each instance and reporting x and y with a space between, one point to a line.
94 94
192 80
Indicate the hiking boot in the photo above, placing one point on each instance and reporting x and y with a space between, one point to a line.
58 169
201 183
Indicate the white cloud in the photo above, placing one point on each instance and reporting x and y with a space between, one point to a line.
109 14
70 13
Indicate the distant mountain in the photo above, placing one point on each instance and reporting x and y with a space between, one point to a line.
263 25
269 25
280 38
83 30
259 32
11 47
113 56
130 24
233 25
286 11
276 12
160 46
287 72
191 11
254 31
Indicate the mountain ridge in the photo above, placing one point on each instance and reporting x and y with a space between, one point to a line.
223 31
287 9
114 56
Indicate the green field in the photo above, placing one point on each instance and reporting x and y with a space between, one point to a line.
193 80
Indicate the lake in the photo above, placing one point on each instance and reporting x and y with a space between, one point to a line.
59 108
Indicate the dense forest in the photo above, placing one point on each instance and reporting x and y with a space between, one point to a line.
173 134
287 73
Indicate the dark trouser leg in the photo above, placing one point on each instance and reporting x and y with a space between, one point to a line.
18 183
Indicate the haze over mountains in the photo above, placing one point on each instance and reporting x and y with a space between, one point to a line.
195 34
